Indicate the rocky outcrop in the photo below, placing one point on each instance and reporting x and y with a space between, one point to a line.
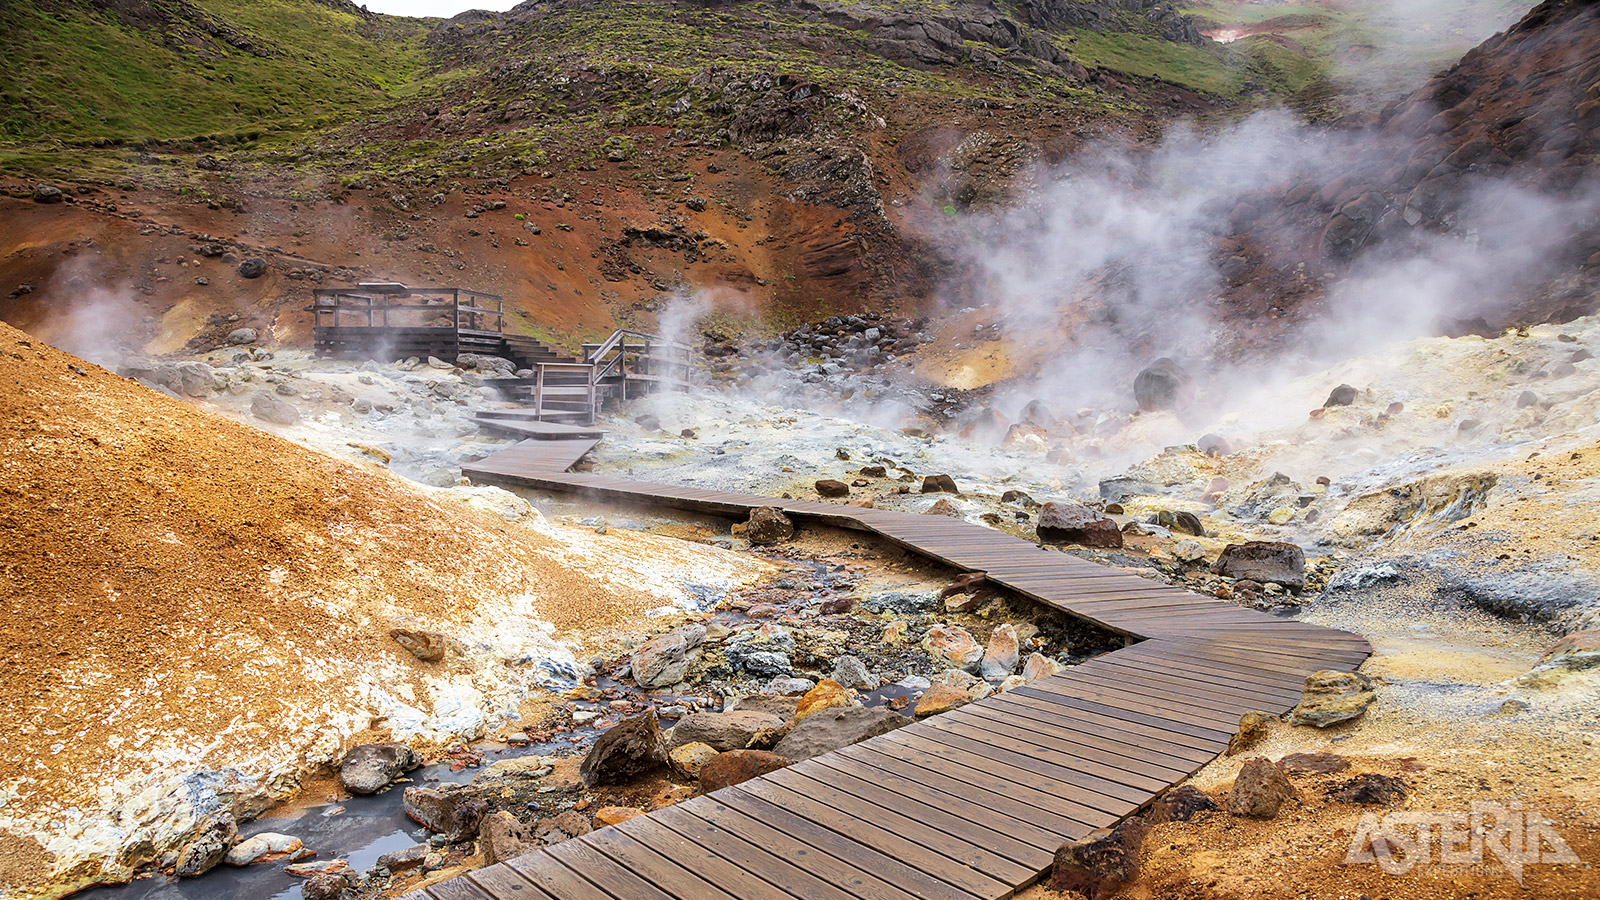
664 660
1065 522
451 811
735 730
1264 561
628 749
369 768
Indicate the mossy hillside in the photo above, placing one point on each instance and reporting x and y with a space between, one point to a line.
77 73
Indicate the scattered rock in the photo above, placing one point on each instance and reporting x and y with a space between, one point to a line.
1100 864
240 336
269 407
1252 728
768 525
688 759
428 646
943 507
838 606
1213 445
1066 522
831 488
1163 385
1330 697
563 827
941 698
501 836
828 694
615 815
1263 561
953 645
368 768
1313 763
628 749
254 267
735 766
267 846
1002 655
1189 550
1180 522
1040 666
831 729
210 844
1260 790
1343 395
407 859
46 193
851 672
664 660
328 886
449 810
935 484
1181 804
1575 652
1370 789
733 730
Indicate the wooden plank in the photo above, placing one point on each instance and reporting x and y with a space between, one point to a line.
458 889
504 884
555 879
662 871
604 873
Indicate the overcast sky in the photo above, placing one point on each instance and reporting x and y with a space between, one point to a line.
441 8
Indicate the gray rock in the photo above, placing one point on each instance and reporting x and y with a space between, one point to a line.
851 672
1073 523
450 811
327 886
404 860
765 664
46 193
789 686
901 603
368 768
240 336
1343 395
196 379
1163 385
831 729
1264 561
276 410
254 267
740 729
211 843
262 847
665 659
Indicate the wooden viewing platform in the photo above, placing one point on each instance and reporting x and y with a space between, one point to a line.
968 805
390 321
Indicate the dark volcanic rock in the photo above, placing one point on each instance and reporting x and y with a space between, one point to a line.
628 749
46 193
1313 763
1074 523
254 267
1264 561
1181 804
369 768
210 844
326 886
735 766
934 484
768 525
1163 385
1100 864
1343 395
1371 789
831 488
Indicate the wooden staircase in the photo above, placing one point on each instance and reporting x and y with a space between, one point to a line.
572 391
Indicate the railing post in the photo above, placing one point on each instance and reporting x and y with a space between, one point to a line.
538 392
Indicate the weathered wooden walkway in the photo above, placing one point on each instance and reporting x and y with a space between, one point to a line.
968 805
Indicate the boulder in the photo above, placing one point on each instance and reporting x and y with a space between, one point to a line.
1213 445
735 730
688 759
240 336
269 407
781 705
1066 522
327 886
941 698
615 815
1180 804
428 646
209 846
267 846
828 694
665 659
1040 666
407 859
828 487
1163 385
851 672
449 810
952 645
1371 789
501 837
626 750
1343 395
1260 790
48 193
1180 522
1331 696
736 766
768 525
254 267
1100 864
1264 561
832 729
368 768
1002 655
935 484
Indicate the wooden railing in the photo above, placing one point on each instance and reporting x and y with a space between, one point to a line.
646 357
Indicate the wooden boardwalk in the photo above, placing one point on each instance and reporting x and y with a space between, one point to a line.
968 805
